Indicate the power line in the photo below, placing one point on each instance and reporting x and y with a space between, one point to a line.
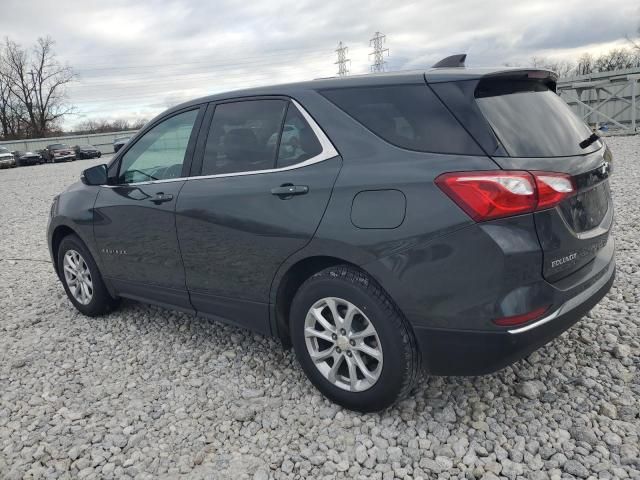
159 76
342 50
377 42
111 67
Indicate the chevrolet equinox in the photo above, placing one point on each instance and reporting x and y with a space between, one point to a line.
451 220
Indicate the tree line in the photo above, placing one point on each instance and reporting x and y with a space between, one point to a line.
32 89
108 126
616 59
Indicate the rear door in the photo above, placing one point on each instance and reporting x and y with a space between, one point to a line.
540 132
257 197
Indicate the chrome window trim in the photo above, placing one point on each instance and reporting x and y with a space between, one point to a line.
328 151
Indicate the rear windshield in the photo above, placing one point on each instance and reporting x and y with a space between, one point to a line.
531 120
58 146
408 116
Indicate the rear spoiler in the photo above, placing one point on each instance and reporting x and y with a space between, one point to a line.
447 70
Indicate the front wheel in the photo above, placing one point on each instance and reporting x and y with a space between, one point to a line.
352 341
81 278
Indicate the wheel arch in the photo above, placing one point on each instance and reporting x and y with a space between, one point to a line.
58 234
295 275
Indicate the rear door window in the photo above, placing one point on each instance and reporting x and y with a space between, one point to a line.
408 116
243 137
531 120
298 142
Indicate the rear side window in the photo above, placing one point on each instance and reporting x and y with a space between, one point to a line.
243 136
408 116
531 120
298 142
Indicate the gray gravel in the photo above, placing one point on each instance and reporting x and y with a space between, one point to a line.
148 393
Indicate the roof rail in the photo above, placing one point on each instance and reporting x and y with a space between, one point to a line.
452 61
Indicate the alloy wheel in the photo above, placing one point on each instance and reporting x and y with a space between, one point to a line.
78 277
343 344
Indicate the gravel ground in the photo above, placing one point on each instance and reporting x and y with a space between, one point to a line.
148 393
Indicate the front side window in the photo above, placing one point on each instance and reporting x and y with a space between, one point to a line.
298 142
160 153
244 136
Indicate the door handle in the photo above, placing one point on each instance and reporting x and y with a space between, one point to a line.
161 198
288 190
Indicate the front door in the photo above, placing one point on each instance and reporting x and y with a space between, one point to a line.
265 181
134 223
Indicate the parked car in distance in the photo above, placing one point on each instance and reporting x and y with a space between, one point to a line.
27 158
454 220
58 152
118 143
86 151
7 160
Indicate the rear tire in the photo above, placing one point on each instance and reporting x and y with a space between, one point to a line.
376 353
81 278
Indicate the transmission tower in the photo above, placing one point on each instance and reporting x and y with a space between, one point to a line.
342 62
377 42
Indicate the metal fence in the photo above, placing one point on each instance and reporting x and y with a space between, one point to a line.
607 100
102 141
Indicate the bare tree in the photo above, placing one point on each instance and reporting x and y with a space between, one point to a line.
585 64
563 68
37 80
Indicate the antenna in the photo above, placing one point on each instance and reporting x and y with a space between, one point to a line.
378 52
453 61
342 60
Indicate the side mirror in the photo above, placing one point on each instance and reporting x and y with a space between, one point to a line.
95 175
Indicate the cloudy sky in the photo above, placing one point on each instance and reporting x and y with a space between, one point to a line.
136 58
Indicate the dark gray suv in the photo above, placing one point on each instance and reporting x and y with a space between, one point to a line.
452 220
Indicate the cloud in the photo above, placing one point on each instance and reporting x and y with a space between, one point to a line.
136 58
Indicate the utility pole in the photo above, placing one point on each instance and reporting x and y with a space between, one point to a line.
342 60
377 42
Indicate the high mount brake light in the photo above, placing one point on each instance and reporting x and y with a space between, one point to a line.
487 195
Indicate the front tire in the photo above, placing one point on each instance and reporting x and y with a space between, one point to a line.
351 340
81 278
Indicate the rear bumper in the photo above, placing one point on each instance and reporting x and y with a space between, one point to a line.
459 352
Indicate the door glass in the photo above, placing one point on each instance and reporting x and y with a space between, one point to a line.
408 116
159 153
243 137
298 142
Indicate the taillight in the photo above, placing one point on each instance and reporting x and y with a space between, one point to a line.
552 188
486 195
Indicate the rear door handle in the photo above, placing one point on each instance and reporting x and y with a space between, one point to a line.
161 198
288 190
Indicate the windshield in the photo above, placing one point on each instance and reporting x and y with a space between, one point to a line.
531 120
58 146
4 150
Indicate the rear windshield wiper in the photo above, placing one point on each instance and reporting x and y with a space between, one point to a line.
589 140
